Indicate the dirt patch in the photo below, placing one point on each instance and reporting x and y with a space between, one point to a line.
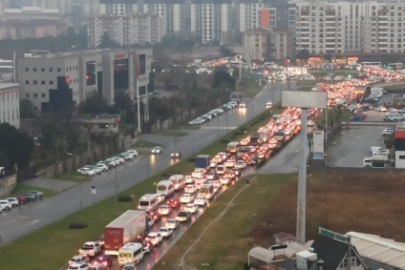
367 202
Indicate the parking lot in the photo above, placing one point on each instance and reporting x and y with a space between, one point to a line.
354 145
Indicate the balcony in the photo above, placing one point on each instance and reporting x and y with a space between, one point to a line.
305 12
383 12
330 12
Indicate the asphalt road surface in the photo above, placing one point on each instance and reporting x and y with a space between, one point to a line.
33 216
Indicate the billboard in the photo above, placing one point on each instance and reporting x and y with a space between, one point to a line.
304 99
318 150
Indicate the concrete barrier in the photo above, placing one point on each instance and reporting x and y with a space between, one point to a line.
7 184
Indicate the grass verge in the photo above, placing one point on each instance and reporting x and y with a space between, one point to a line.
320 120
143 143
23 188
171 133
249 87
226 244
68 241
74 177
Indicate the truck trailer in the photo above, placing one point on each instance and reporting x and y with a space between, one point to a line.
202 161
131 226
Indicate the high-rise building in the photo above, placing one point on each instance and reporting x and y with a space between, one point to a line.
126 30
328 27
212 20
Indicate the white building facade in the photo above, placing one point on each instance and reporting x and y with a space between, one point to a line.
126 30
52 81
10 104
328 27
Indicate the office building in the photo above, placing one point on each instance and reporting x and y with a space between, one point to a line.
125 30
29 13
327 27
10 104
52 81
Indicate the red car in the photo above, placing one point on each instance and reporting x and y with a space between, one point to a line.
21 199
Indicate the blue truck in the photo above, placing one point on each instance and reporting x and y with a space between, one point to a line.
202 161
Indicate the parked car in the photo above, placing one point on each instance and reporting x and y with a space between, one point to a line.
86 171
29 197
96 169
13 201
38 194
5 205
103 167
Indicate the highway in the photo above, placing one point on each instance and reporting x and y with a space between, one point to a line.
33 216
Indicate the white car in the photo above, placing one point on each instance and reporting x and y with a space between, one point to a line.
94 168
119 160
154 237
189 179
212 176
229 163
191 208
133 152
198 173
164 210
310 123
78 266
13 201
388 131
213 164
165 232
102 167
190 188
110 162
78 259
183 216
269 104
5 205
186 198
90 249
200 201
172 224
157 150
86 171
240 164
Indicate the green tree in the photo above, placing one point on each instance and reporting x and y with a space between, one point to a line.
303 55
107 42
222 79
124 106
16 145
26 109
94 104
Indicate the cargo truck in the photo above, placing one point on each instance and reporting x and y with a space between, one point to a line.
202 162
129 227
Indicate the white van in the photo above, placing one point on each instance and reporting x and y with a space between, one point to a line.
165 187
221 169
178 180
130 253
148 202
375 150
208 191
376 161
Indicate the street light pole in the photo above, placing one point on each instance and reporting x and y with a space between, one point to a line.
193 141
147 166
116 184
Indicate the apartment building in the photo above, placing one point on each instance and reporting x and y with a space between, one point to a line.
118 7
52 81
126 30
328 27
28 14
267 44
63 6
10 104
249 15
31 29
212 20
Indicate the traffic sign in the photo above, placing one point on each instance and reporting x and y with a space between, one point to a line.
334 236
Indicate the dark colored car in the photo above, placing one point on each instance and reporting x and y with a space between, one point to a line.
173 203
30 197
105 260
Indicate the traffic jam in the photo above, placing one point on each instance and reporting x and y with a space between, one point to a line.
178 201
139 238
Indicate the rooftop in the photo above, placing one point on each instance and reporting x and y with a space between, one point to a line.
6 85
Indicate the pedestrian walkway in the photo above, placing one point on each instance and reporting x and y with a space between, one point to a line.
52 184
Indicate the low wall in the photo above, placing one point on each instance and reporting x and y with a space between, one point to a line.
7 185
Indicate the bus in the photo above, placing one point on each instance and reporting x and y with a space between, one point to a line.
130 253
395 66
370 64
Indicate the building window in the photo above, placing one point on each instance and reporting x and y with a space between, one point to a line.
35 82
59 70
43 69
27 82
50 69
43 82
43 95
35 108
35 95
401 157
27 69
51 82
34 69
27 95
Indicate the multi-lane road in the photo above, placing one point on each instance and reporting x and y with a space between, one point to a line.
28 218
